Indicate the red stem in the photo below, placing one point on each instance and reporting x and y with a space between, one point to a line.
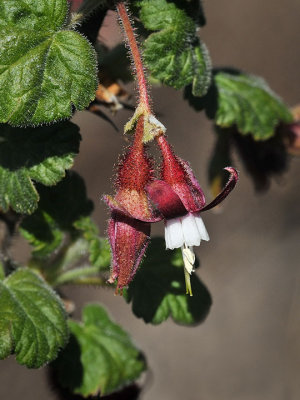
136 55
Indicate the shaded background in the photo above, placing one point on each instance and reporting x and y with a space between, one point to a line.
248 347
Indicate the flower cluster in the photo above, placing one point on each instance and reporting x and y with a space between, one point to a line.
141 199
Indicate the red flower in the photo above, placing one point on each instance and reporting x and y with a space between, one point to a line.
177 197
180 199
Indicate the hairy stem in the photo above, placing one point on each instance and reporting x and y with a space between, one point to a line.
144 99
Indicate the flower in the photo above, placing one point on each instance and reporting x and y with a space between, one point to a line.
179 199
131 212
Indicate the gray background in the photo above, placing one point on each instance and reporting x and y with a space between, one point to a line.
248 347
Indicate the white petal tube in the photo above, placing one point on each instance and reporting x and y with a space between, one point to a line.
173 234
190 231
201 227
167 238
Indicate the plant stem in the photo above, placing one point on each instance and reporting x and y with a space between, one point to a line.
144 99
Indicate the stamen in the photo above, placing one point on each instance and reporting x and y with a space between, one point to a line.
189 260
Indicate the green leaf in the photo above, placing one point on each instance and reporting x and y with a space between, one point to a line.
42 233
63 235
56 215
59 201
174 53
45 68
39 154
158 289
100 357
247 102
99 248
32 319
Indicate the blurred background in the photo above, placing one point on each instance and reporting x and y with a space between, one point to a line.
249 346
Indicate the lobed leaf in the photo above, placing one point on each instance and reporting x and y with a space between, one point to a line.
100 357
158 289
32 319
33 154
46 68
247 102
174 53
56 215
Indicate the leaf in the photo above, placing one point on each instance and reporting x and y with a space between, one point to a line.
99 248
59 201
32 319
56 214
45 68
39 154
41 231
174 53
158 290
249 103
194 8
100 356
262 160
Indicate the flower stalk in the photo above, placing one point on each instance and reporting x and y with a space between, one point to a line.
144 99
152 127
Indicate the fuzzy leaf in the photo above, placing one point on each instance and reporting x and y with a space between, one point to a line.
100 356
45 67
174 53
158 289
56 214
247 102
32 319
39 154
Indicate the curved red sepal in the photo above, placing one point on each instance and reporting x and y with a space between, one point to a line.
234 176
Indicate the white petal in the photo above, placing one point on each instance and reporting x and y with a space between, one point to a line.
167 238
201 227
174 234
190 231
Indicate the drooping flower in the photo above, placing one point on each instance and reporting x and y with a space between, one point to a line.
180 199
177 197
131 212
